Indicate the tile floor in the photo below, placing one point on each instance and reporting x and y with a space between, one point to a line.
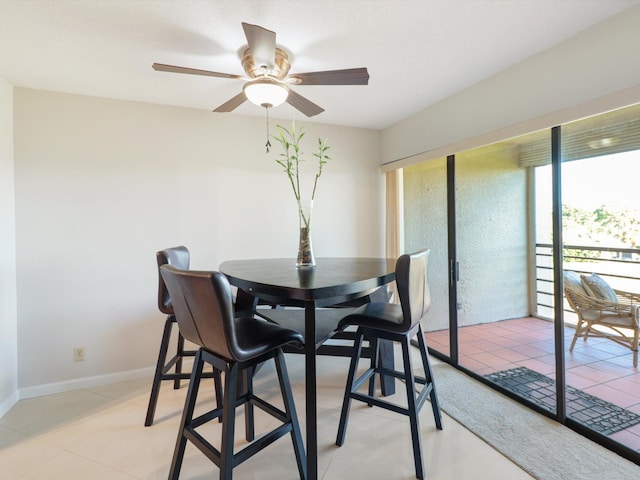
598 366
98 433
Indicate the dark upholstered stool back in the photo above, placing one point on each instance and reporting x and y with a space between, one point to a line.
396 323
178 257
235 345
204 309
413 289
203 305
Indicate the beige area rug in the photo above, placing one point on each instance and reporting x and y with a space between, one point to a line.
542 447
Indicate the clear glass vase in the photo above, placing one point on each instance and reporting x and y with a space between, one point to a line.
305 248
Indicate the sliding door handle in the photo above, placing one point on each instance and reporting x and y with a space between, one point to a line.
454 271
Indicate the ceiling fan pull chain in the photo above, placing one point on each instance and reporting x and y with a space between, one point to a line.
268 145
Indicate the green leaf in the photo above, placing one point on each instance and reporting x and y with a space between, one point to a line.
292 156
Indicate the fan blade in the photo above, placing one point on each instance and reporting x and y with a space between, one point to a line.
262 43
161 67
232 104
306 106
350 76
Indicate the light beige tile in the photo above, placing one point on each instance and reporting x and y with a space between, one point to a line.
380 448
134 391
455 453
99 433
120 440
34 416
19 453
66 466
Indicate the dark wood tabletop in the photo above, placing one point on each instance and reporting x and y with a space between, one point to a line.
332 279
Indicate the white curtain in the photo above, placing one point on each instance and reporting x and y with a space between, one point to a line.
394 241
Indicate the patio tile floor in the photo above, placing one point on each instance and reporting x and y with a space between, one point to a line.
598 366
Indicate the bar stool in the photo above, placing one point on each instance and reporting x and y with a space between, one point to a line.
204 309
179 257
397 323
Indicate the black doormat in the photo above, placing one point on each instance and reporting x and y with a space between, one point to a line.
597 414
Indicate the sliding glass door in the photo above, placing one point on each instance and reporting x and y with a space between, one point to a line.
502 337
601 235
508 226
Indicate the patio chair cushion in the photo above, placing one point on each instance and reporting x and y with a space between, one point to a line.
597 287
573 282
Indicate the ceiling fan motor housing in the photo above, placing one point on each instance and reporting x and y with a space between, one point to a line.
279 71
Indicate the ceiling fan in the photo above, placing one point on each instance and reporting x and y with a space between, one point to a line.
268 82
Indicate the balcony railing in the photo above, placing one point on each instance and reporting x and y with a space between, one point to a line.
620 267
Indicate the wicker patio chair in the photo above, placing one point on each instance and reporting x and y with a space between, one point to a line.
617 321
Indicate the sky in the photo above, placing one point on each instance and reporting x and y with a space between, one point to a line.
588 184
592 182
612 179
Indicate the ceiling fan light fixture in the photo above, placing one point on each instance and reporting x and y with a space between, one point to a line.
266 92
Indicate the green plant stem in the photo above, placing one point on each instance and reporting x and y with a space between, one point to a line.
290 161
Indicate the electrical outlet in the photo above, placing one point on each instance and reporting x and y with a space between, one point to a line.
78 354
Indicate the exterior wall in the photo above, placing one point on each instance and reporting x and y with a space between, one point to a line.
491 233
101 185
8 306
491 226
425 226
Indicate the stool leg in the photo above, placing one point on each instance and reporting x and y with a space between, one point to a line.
187 417
386 359
346 404
428 374
217 385
249 424
374 345
228 422
413 410
180 354
157 377
290 411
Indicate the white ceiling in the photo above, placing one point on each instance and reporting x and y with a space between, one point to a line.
417 51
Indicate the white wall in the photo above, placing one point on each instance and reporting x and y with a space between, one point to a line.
592 72
8 314
101 185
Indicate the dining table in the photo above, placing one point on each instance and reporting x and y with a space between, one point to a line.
332 281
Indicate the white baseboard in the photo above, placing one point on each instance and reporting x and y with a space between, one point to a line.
8 402
85 382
